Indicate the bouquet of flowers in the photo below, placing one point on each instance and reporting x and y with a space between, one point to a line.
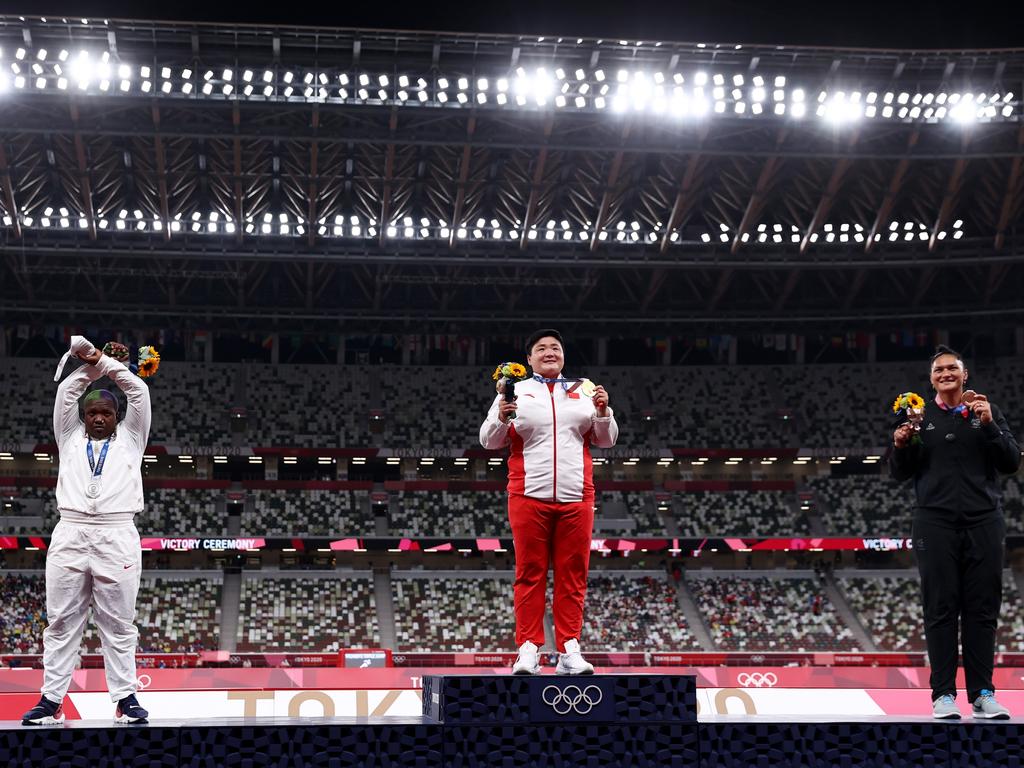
149 358
910 408
149 361
505 377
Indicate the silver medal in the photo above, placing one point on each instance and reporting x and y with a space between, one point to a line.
92 490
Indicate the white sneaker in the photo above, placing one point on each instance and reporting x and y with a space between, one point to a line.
527 663
572 662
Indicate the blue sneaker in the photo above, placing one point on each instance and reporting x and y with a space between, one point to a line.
986 706
945 708
44 713
129 711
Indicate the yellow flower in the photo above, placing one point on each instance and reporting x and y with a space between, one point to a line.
149 361
916 401
896 404
518 369
497 373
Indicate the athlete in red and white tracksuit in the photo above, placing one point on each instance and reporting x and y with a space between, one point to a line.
95 557
550 499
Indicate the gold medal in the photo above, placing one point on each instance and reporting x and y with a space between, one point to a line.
588 388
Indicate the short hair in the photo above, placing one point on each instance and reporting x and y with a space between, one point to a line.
94 395
941 350
538 335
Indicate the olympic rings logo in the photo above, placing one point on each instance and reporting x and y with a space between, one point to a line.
757 679
144 682
572 698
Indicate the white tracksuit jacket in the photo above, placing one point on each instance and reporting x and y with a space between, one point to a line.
549 441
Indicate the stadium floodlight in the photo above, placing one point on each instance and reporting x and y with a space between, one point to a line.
289 91
40 82
307 78
186 74
383 80
208 74
227 75
718 79
41 54
463 83
599 75
247 75
227 89
143 72
481 84
208 88
268 90
700 79
758 94
19 54
383 95
62 83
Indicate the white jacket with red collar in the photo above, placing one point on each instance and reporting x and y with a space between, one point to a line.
549 441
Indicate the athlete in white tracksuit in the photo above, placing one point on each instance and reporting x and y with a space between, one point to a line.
95 557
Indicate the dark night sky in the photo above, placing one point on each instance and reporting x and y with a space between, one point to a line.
893 24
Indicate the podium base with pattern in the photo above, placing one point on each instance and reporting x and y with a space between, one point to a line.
494 721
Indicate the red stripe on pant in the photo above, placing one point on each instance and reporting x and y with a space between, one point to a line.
556 534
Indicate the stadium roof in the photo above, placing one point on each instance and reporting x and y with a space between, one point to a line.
322 178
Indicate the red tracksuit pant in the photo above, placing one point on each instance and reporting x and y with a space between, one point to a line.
547 533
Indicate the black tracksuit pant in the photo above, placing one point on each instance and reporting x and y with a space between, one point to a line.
961 584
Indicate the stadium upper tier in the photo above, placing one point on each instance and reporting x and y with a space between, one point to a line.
833 506
797 406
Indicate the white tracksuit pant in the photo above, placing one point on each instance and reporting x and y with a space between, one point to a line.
99 565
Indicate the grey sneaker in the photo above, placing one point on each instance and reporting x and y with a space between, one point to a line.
945 708
986 706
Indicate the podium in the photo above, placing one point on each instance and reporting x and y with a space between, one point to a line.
546 720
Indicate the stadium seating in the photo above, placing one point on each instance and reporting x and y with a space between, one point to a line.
889 606
310 406
739 513
710 406
180 511
630 613
209 389
453 613
864 505
308 513
758 613
22 612
310 613
449 513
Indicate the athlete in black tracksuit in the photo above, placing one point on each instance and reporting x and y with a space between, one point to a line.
958 526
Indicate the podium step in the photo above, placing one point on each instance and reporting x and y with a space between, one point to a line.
508 700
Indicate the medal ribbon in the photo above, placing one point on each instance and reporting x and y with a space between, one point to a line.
97 466
564 382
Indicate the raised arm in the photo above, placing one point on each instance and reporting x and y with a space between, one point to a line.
604 429
139 414
1001 443
494 431
65 406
